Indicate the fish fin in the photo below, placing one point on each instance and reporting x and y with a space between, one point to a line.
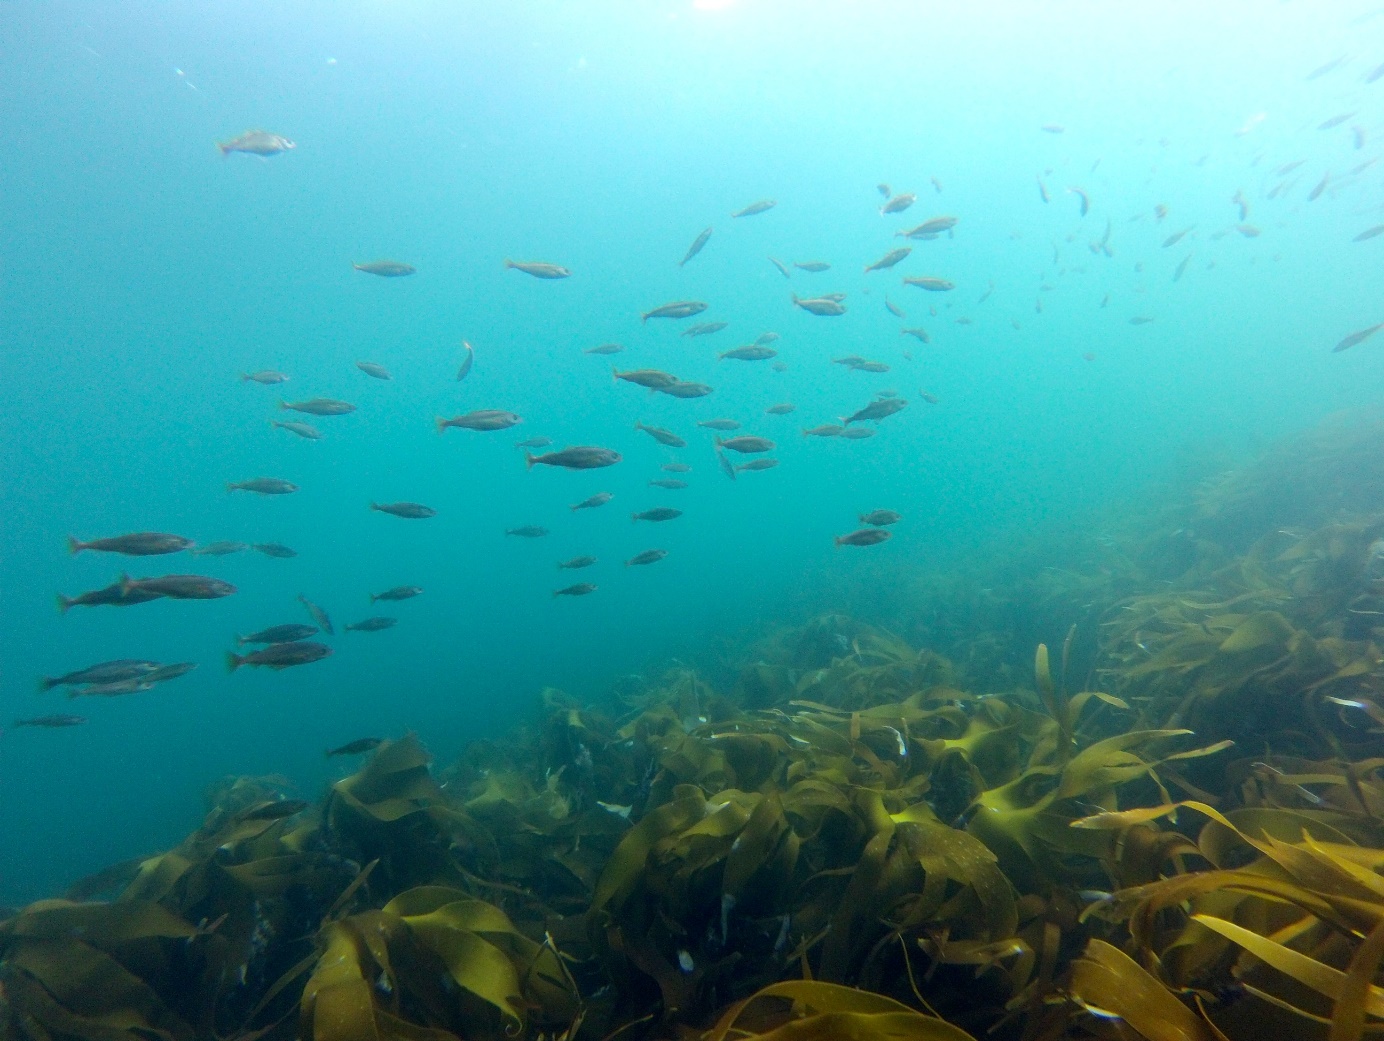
373 598
225 150
283 405
719 442
126 582
233 661
45 684
508 263
441 425
634 517
373 506
644 317
64 603
240 641
528 459
230 487
73 546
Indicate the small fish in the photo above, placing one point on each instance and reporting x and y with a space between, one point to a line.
257 142
649 556
466 362
106 672
654 379
658 513
917 333
528 531
675 309
274 549
870 366
781 409
357 747
534 442
752 352
319 406
386 268
684 389
1249 231
111 690
779 366
863 537
1085 200
821 306
889 259
1357 137
723 461
53 721
1331 66
291 632
696 247
1175 238
607 348
879 518
274 810
263 486
303 430
756 207
1369 233
135 544
1182 268
719 424
318 615
663 437
931 399
1335 121
581 457
764 339
576 563
782 267
279 655
671 483
267 377
406 510
815 267
379 372
1087 356
538 269
223 548
746 444
179 587
930 228
930 283
758 464
1053 128
677 468
1357 337
857 433
898 203
1375 74
591 502
1239 201
1140 319
825 430
894 308
1159 212
397 593
1043 191
884 190
880 408
376 624
485 419
1316 192
704 328
579 589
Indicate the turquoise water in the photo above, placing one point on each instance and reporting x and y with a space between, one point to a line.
141 273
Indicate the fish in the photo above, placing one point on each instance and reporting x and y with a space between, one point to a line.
534 442
1316 192
274 549
579 589
670 483
274 810
764 339
704 328
886 393
894 308
821 306
898 203
257 142
466 362
591 502
761 206
290 632
889 259
576 563
719 424
863 537
1357 337
917 333
168 673
931 399
1053 128
758 464
746 444
880 408
263 486
397 593
319 407
825 430
723 461
752 352
663 437
675 309
677 468
696 246
1182 268
538 269
266 377
931 283
1357 137
376 624
1331 66
870 366
684 389
1085 199
1175 238
113 595
357 747
111 690
879 518
581 457
607 348
930 228
223 548
782 267
1335 121
1375 74
1140 319
781 409
1369 233
135 544
651 378
53 721
884 190
379 372
857 433
279 655
649 556
485 419
1159 212
658 513
318 615
528 531
1239 201
179 587
1249 231
779 366
303 430
105 672
386 268
406 510
812 266
1043 191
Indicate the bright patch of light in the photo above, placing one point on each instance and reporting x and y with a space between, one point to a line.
712 5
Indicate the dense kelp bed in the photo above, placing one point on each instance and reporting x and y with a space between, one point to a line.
1170 825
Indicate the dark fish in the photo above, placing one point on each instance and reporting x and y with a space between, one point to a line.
658 513
649 556
371 369
538 269
758 464
482 419
782 409
607 348
303 430
534 442
165 673
279 655
257 142
704 328
879 518
863 537
825 430
1085 199
821 306
696 246
813 266
577 563
1357 337
179 587
268 377
58 720
1335 121
113 595
663 437
1364 236
889 259
719 424
893 308
756 207
752 352
224 548
684 389
319 406
1182 268
580 589
1175 238
357 747
676 468
397 593
723 461
111 690
274 549
386 268
466 362
372 625
318 615
930 283
290 632
880 408
782 267
274 810
919 334
407 510
930 228
105 672
528 531
676 309
590 503
671 483
764 339
746 444
898 203
581 457
654 379
135 544
1316 192
263 486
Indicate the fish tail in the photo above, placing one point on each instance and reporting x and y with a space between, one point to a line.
225 150
233 661
283 405
45 684
230 487
719 442
441 425
126 582
73 546
373 506
373 598
837 539
634 517
240 641
528 459
508 263
644 318
64 603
